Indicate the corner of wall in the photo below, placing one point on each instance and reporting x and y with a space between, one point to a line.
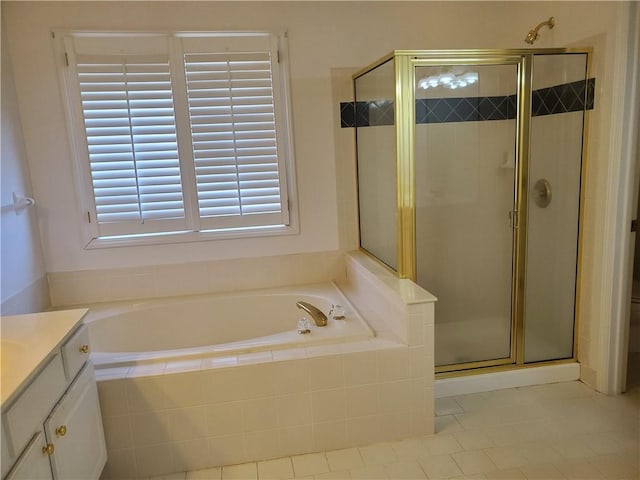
588 376
24 280
33 298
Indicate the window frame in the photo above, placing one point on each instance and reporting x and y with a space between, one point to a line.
82 170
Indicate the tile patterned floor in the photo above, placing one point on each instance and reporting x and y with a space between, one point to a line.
556 431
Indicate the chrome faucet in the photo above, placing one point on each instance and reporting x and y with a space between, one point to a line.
319 317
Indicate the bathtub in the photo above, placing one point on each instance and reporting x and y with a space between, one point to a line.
202 381
162 331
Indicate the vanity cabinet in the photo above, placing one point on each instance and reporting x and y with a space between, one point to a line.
32 464
52 429
74 428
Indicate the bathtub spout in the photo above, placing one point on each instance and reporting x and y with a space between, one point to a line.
319 317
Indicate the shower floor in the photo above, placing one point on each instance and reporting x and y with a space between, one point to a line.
472 340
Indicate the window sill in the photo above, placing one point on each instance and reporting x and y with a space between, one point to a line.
189 237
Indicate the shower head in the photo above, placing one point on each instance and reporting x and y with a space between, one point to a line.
533 34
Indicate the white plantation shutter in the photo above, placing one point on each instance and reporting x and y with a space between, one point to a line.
232 118
130 126
182 133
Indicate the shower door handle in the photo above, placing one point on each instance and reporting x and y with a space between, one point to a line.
513 218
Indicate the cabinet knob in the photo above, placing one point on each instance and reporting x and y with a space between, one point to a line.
48 449
84 349
61 431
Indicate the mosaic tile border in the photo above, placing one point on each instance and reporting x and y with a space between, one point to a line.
568 97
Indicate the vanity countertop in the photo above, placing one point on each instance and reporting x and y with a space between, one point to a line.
25 343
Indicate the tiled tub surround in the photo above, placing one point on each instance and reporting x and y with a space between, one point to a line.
189 415
83 287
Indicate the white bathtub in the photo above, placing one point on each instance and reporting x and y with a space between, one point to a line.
170 330
261 391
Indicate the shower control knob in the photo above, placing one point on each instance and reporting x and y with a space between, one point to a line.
542 193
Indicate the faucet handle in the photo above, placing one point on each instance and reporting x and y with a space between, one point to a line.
303 326
337 312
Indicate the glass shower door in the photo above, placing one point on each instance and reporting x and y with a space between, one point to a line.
376 145
559 99
465 170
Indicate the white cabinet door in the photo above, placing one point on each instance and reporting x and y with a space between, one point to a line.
75 429
33 463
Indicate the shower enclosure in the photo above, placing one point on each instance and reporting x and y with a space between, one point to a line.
470 166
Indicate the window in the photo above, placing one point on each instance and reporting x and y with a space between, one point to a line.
184 133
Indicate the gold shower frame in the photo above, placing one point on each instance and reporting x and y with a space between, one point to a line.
405 62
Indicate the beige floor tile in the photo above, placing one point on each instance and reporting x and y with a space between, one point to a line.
502 435
539 453
542 472
510 474
473 439
472 402
206 474
520 433
565 390
603 443
337 475
475 476
309 464
472 462
380 453
346 459
578 469
501 415
577 424
243 471
616 466
447 406
405 470
631 457
441 445
280 468
628 437
573 447
507 396
505 457
440 466
371 472
411 448
446 424
543 432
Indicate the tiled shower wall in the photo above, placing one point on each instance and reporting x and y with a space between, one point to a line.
562 98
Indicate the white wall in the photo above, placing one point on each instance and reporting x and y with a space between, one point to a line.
24 286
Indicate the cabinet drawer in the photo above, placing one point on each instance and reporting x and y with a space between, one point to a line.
75 352
30 409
